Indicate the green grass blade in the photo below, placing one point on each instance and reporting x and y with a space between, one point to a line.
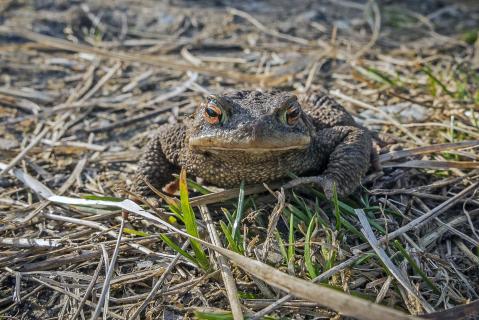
337 212
177 248
352 229
300 201
231 241
282 246
198 187
434 79
213 315
415 267
375 75
93 197
298 214
190 223
228 216
135 232
291 239
328 252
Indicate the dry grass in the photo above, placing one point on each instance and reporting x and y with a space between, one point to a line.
82 85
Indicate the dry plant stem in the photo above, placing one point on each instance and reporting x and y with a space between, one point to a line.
158 284
59 259
431 214
43 191
368 106
88 290
323 276
105 229
35 95
463 278
71 295
30 293
384 289
435 185
303 180
425 20
458 233
430 238
469 254
465 311
341 302
174 290
224 266
129 121
135 58
396 155
16 293
65 186
376 30
273 220
83 86
447 225
393 269
193 76
114 83
111 72
228 194
75 144
418 222
468 216
56 262
262 303
111 267
106 260
433 164
262 28
347 305
30 243
438 197
24 152
461 127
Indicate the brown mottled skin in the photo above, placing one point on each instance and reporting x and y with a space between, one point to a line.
253 142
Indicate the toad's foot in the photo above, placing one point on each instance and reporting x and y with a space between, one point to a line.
327 184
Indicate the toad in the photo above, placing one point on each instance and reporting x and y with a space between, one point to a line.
261 136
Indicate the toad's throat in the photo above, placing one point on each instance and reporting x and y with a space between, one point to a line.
250 145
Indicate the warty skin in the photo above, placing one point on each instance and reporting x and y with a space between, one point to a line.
260 136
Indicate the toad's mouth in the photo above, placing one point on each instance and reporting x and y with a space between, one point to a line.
263 145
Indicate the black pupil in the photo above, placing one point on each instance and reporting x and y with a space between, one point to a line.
212 113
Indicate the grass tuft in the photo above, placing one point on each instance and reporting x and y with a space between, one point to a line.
186 214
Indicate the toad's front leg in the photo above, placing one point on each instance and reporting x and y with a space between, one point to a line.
153 167
349 150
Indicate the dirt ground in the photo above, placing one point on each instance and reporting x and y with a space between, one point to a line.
84 83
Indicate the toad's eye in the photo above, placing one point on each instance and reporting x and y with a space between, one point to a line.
290 111
213 112
291 115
